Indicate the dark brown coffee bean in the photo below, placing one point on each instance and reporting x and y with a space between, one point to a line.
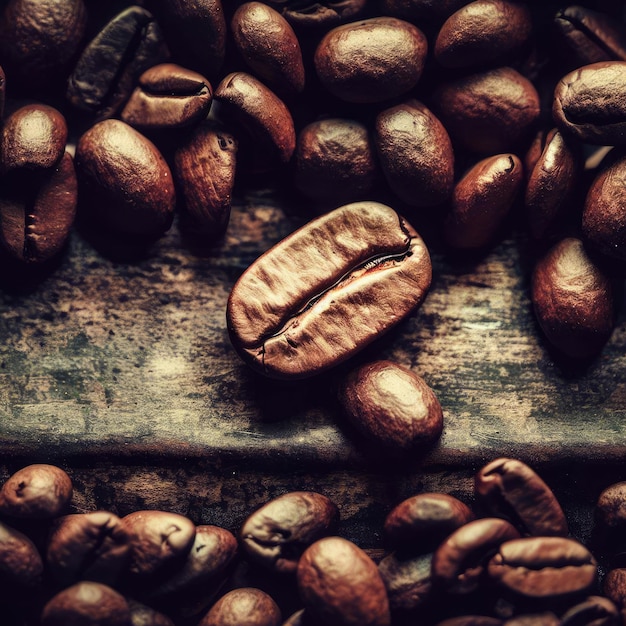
586 36
168 96
335 161
510 489
39 39
32 138
391 405
319 15
89 546
594 611
268 45
420 523
482 31
277 534
610 509
573 299
471 620
482 200
144 615
106 72
87 603
126 184
341 585
415 153
21 565
159 540
417 10
372 60
407 580
590 103
460 562
246 606
551 181
534 619
37 491
544 568
603 219
37 211
246 100
287 321
488 112
614 586
204 168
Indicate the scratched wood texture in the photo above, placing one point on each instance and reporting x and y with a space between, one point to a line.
120 369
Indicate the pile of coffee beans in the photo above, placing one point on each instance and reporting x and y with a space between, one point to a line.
504 557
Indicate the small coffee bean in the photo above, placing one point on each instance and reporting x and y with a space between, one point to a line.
125 183
460 562
420 523
86 603
37 491
510 489
21 565
590 103
614 586
328 290
594 611
372 60
482 31
108 67
144 615
610 508
544 568
417 10
481 201
268 45
415 153
168 96
534 619
573 299
407 580
89 546
313 15
391 405
341 585
277 534
245 606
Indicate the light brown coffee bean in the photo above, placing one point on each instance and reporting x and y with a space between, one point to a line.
21 565
245 606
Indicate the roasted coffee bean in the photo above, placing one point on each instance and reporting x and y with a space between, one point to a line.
204 168
89 546
573 299
247 101
168 96
21 565
471 620
335 161
86 603
586 36
551 181
546 618
460 562
319 15
391 405
372 60
159 540
594 611
126 183
407 580
341 585
38 41
246 606
416 10
482 31
32 138
614 586
590 103
510 489
481 201
144 615
37 211
370 270
603 220
415 153
195 31
110 64
297 619
420 523
37 491
488 112
610 511
268 45
277 534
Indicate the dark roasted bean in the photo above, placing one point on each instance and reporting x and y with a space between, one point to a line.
21 565
246 606
319 14
407 580
594 611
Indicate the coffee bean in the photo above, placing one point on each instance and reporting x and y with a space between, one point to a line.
573 299
328 290
510 489
168 96
372 60
415 153
407 580
21 565
610 508
594 611
471 620
534 619
246 606
614 586
37 491
391 405
416 10
143 615
341 585
312 15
